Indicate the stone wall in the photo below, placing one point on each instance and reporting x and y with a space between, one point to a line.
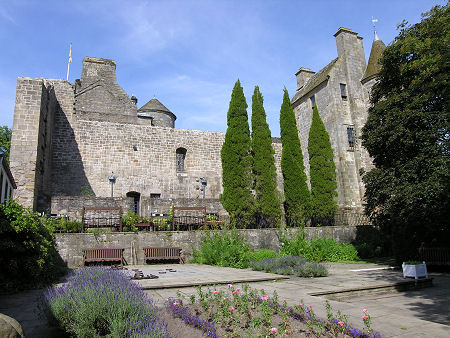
70 246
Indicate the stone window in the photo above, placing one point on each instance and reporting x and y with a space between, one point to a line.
351 137
343 91
181 156
155 195
313 101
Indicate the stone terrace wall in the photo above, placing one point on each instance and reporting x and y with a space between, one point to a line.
70 246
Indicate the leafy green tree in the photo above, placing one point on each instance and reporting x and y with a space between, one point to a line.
264 171
237 198
407 134
322 171
297 197
5 141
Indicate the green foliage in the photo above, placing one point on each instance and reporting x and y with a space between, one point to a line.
237 162
296 193
322 171
5 141
407 135
318 249
129 221
261 254
86 191
223 249
64 225
28 256
290 265
267 204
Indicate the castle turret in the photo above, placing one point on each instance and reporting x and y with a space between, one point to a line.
158 113
374 66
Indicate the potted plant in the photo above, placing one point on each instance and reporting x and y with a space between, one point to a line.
414 269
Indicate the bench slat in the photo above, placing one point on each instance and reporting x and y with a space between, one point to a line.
162 253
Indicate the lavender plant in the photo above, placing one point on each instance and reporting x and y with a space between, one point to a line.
99 301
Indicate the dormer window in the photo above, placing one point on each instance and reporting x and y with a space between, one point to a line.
343 91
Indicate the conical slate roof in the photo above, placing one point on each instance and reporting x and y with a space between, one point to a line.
154 105
373 67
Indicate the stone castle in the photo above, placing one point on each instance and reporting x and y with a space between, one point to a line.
68 139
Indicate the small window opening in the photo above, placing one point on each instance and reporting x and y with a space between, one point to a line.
351 138
181 156
313 101
136 200
343 91
155 195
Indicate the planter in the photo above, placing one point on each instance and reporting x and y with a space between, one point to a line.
415 270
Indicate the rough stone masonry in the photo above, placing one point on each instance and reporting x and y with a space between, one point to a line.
67 139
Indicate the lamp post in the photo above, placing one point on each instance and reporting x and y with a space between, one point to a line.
204 184
112 180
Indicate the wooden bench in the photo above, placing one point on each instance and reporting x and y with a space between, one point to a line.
103 255
162 253
435 256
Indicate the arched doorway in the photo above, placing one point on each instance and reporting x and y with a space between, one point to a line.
136 200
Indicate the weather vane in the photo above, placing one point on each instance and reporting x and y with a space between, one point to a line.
374 28
70 61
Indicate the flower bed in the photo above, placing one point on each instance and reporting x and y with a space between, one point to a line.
290 265
100 301
248 312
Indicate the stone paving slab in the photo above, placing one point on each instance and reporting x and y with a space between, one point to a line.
187 275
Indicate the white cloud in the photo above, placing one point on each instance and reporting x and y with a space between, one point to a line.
4 15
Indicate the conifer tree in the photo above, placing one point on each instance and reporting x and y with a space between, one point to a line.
322 172
237 198
267 204
297 203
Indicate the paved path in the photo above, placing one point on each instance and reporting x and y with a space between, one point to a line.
417 313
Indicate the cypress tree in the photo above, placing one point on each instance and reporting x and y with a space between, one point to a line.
297 203
322 171
267 204
237 198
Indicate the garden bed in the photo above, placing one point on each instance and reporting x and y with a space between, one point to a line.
247 312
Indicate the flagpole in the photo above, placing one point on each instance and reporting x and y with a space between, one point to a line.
70 61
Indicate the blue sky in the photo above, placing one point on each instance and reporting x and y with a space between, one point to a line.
188 53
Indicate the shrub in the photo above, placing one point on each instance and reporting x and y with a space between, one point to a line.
319 249
100 301
290 265
28 256
261 254
223 249
129 221
64 225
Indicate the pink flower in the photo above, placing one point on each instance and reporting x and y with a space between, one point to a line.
266 297
273 330
229 285
234 292
216 292
364 310
238 289
231 308
341 323
365 317
310 306
300 305
176 304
